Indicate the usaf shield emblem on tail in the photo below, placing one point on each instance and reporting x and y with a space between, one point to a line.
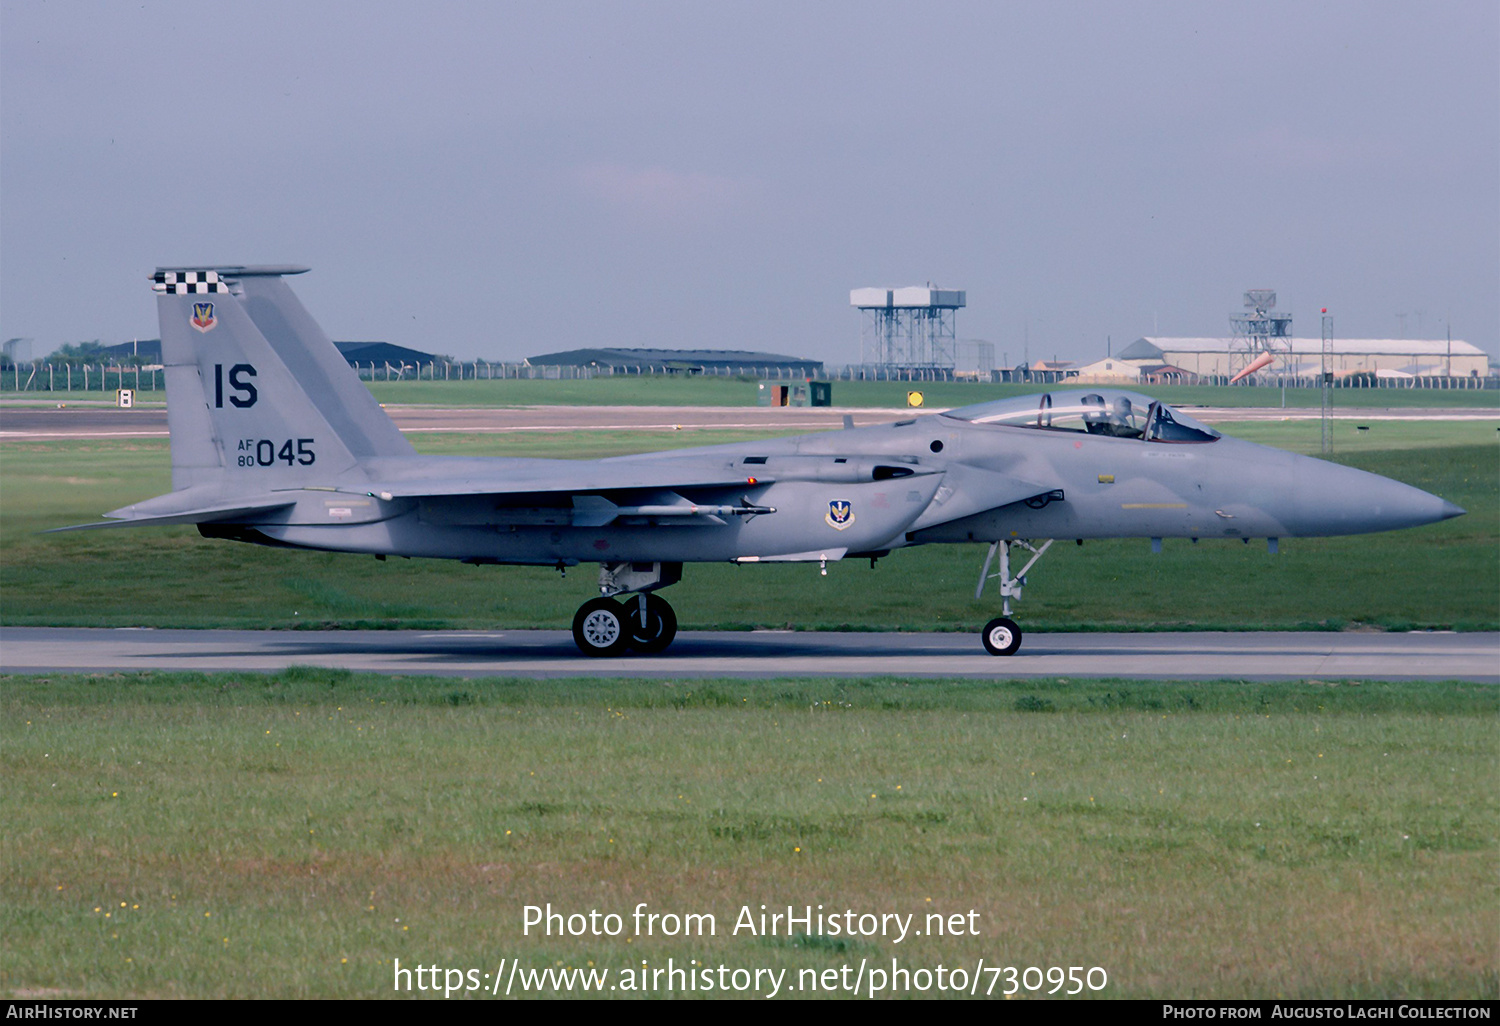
203 316
840 514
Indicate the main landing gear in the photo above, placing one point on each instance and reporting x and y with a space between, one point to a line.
1001 636
640 622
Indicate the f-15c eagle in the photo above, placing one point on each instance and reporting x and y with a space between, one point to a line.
275 441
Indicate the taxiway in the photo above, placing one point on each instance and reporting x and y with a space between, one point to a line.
765 654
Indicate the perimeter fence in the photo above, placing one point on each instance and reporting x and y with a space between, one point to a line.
48 376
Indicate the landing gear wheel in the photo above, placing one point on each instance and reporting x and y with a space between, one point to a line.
659 628
599 628
1001 636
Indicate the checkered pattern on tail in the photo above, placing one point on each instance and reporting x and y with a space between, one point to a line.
187 282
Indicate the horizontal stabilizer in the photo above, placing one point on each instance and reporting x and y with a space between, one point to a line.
208 515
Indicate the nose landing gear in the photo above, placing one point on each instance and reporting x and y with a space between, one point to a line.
1001 636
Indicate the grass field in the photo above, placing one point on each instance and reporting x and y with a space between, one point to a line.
678 391
289 836
1444 575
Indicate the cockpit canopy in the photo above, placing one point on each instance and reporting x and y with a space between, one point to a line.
1100 412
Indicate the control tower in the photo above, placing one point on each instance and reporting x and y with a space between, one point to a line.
1258 331
908 327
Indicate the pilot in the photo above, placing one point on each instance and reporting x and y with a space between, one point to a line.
1121 418
1095 420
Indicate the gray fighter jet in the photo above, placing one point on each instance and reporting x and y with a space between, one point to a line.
276 442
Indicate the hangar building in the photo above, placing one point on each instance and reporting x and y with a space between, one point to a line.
687 361
1210 357
381 353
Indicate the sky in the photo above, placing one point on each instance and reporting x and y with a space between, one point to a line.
498 180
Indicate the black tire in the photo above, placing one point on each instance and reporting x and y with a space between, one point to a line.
659 629
599 628
1001 636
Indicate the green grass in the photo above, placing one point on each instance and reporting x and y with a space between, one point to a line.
715 391
92 398
1444 575
1434 437
290 835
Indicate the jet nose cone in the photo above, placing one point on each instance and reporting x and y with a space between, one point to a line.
1342 500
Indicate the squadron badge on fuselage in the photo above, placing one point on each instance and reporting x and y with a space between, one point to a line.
840 514
203 316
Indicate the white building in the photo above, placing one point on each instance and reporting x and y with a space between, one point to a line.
1111 370
1301 357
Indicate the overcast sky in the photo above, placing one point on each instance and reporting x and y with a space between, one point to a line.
505 179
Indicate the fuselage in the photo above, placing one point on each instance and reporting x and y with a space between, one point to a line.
1073 468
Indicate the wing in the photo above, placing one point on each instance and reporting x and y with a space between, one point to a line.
458 476
572 492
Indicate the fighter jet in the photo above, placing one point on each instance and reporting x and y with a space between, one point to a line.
275 441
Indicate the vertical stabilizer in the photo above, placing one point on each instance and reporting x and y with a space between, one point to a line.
321 369
258 398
